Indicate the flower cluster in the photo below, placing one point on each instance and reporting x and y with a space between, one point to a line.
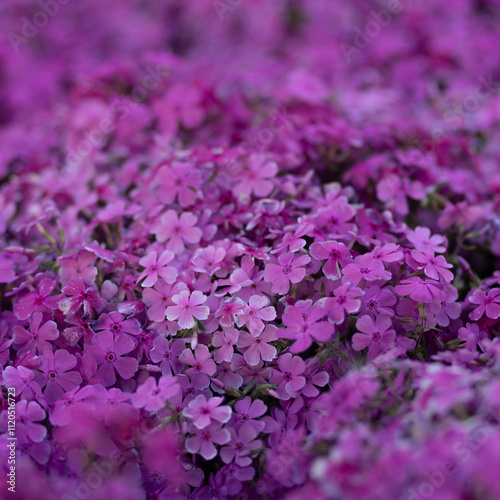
267 276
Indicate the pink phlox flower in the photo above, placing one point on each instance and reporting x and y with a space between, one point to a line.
187 307
180 180
22 379
116 323
293 241
227 312
435 267
208 260
109 352
472 336
377 335
82 327
248 412
160 297
288 270
257 348
152 395
336 254
422 240
177 231
488 303
305 325
28 416
388 253
38 338
255 313
376 301
225 341
74 401
199 362
81 295
78 266
167 354
365 267
289 377
447 308
39 300
255 177
241 445
203 441
344 301
314 378
421 290
56 374
203 412
156 266
394 191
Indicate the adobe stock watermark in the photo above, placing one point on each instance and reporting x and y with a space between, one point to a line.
31 27
120 109
463 451
225 7
373 27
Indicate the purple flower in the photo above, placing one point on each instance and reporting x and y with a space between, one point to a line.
204 440
167 354
152 395
225 341
255 313
38 338
247 412
56 376
290 376
38 301
177 231
109 351
157 267
202 411
257 348
187 307
488 303
288 270
241 445
377 335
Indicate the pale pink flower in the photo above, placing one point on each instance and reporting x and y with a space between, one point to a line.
157 266
177 231
187 307
255 313
288 270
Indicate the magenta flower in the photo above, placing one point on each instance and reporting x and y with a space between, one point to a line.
200 361
179 180
242 444
202 411
255 177
177 231
28 414
434 267
224 341
290 376
377 335
394 190
257 348
304 328
228 311
73 402
365 267
38 301
344 301
159 298
208 260
423 241
336 254
55 375
22 379
116 323
488 303
376 301
152 395
420 290
255 313
187 307
203 441
81 295
472 336
288 270
38 338
157 267
167 354
248 412
109 352
78 266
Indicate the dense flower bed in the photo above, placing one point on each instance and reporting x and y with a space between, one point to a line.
250 249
